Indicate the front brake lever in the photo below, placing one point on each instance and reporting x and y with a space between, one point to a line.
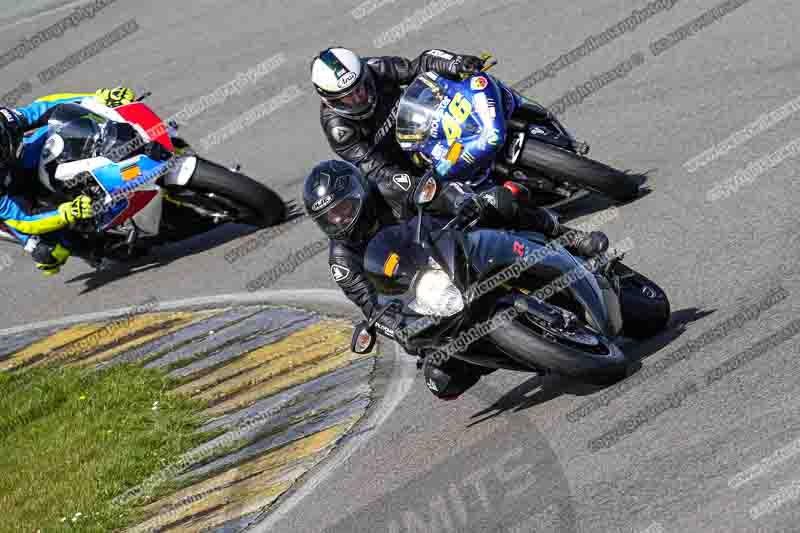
488 61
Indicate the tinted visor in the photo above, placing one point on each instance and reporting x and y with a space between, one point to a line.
341 216
358 100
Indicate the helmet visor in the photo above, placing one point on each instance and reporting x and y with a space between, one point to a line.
359 100
342 214
338 219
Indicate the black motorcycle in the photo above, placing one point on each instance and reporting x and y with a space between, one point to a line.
511 300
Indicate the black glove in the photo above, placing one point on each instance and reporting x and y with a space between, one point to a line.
592 244
465 66
470 209
387 319
550 225
157 152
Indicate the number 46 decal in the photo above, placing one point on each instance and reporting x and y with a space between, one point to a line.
459 109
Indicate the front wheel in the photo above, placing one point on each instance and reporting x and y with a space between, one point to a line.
601 363
564 166
230 196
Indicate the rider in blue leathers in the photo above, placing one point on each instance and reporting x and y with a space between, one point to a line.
22 136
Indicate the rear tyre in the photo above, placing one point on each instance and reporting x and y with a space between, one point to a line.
251 202
562 165
644 305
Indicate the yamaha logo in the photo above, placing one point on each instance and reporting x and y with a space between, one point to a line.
322 202
346 80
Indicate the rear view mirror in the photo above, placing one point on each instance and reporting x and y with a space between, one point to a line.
363 340
426 190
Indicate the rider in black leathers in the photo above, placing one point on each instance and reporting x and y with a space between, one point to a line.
350 209
358 117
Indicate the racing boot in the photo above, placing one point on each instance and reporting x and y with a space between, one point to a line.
578 242
451 379
48 255
581 243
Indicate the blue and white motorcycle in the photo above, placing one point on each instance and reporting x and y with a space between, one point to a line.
149 187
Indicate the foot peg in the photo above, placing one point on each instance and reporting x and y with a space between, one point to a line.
581 148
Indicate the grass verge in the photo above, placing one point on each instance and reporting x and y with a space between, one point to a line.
71 440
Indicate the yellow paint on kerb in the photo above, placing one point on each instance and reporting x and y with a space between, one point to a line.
300 348
263 387
245 488
50 344
299 341
138 331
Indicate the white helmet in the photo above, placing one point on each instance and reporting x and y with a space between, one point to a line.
344 83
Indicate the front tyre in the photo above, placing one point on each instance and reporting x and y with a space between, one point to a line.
243 198
562 165
602 364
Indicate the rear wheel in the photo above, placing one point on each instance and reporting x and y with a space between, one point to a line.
644 305
562 165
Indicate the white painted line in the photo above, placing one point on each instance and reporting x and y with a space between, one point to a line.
401 381
279 297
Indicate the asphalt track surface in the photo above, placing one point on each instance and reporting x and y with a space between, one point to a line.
506 457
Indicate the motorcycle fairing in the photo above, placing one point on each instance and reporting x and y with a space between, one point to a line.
128 184
152 128
117 179
398 240
552 264
471 151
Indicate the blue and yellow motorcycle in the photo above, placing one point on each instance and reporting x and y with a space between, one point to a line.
466 129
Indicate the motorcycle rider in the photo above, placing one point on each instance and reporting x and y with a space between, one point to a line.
360 98
22 136
350 210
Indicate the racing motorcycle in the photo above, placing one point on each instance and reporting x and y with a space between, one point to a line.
148 186
464 128
451 280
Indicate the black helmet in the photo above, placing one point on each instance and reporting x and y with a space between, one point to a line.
337 197
10 137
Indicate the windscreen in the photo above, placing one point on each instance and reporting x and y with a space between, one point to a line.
418 107
87 134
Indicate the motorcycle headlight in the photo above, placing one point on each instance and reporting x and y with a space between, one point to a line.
435 295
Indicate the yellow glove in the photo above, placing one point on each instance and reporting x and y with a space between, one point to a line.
115 97
59 256
80 208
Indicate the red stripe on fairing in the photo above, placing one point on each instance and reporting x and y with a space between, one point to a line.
139 113
136 202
